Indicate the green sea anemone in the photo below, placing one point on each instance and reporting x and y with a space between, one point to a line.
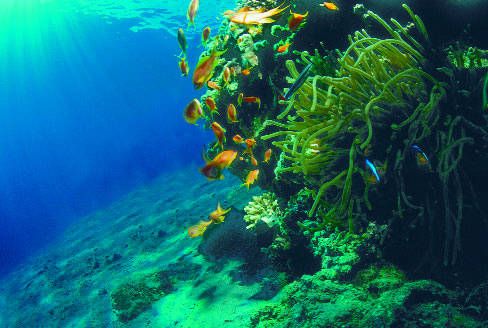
331 119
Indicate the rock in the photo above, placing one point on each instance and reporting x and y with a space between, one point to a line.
136 296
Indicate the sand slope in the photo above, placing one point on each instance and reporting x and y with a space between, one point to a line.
71 283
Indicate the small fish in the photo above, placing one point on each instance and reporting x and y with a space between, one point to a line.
254 100
192 11
251 177
238 139
182 40
330 5
250 142
213 168
249 146
226 75
283 48
210 102
254 161
193 111
213 85
246 71
232 113
183 64
295 20
298 82
205 34
314 147
218 215
219 132
205 68
240 98
373 176
267 155
199 229
420 156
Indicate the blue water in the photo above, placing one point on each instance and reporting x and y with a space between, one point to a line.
88 110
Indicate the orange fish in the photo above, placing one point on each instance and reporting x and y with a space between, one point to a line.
226 75
213 85
249 145
197 230
210 102
295 20
246 71
239 99
218 215
267 155
219 132
250 142
238 139
283 48
252 176
193 111
330 5
246 16
255 100
232 113
184 67
254 161
192 11
205 34
213 169
205 68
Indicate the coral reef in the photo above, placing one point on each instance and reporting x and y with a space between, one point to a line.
350 137
376 296
342 253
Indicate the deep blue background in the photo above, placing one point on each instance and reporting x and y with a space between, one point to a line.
83 120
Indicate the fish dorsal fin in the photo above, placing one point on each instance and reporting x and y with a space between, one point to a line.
202 59
244 9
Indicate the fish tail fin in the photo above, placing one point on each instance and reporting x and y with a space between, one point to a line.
266 21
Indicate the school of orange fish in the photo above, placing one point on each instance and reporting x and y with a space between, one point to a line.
252 19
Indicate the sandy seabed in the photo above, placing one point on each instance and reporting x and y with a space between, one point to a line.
72 282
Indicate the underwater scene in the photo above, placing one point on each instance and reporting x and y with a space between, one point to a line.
243 163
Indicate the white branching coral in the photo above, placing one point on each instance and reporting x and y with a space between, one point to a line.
264 209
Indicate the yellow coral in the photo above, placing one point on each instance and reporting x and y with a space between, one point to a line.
264 209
